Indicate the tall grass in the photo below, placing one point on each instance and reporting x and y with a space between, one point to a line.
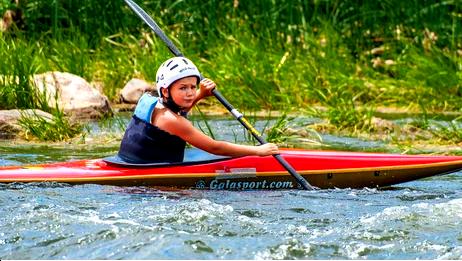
58 128
365 23
72 54
263 54
19 62
92 18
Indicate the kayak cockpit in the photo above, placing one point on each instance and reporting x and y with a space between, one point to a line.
191 156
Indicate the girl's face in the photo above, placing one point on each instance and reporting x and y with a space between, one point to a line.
183 91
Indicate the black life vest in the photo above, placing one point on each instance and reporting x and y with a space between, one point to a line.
146 143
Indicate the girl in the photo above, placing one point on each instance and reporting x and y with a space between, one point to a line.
158 131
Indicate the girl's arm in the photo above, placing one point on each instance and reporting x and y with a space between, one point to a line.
182 128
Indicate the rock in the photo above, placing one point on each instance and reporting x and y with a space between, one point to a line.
377 62
389 62
72 94
133 90
382 125
98 85
378 50
9 121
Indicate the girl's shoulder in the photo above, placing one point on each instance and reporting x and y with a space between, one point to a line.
162 115
171 122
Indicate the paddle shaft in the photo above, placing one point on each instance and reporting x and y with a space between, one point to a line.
260 139
158 31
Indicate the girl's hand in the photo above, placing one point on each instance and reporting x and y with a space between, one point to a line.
206 87
267 149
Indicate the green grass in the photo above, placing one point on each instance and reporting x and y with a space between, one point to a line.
72 55
18 64
452 132
58 128
264 55
281 132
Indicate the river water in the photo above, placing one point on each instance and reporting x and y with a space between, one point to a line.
415 220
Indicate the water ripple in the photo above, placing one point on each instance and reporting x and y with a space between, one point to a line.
55 221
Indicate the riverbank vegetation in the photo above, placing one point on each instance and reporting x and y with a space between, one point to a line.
295 56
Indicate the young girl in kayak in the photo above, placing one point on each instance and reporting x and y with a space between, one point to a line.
159 130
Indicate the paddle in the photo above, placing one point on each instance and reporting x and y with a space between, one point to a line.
153 25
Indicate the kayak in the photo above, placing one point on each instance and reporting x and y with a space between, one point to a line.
201 170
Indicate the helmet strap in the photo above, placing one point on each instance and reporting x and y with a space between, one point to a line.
170 103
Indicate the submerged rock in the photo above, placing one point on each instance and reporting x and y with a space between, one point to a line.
382 125
9 121
133 90
73 94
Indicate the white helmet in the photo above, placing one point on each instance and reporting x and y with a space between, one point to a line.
174 69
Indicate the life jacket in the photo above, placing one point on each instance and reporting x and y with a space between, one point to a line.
146 143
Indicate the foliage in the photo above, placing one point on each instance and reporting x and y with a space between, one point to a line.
276 133
443 131
277 53
58 128
263 54
282 133
365 24
18 64
208 129
341 109
452 132
5 5
63 18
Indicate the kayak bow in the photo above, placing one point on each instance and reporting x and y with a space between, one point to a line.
200 170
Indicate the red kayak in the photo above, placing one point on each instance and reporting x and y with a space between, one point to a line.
201 170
